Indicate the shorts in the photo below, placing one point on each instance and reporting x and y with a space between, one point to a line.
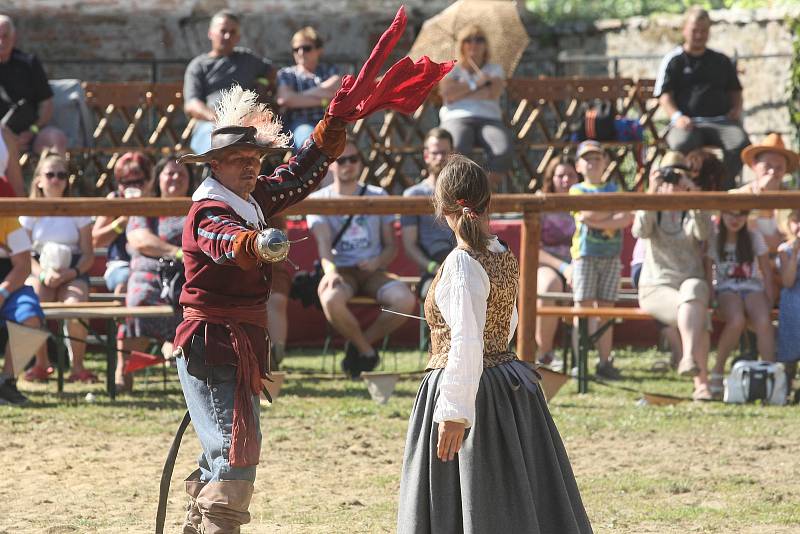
662 301
596 278
367 284
117 276
21 305
741 291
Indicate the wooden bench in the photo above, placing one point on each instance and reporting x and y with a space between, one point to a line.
360 300
110 312
587 340
610 316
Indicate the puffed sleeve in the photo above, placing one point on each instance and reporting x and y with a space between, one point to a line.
461 295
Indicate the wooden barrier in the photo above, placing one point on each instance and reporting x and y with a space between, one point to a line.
530 205
148 117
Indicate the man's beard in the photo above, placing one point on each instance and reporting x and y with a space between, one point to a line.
435 169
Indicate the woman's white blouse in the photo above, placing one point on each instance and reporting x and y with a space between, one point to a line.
461 295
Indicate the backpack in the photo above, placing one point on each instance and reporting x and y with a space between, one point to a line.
752 380
598 123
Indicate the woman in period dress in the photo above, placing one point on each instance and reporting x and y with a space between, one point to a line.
482 452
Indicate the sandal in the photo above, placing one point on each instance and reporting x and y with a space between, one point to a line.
38 374
546 358
701 393
84 375
124 384
688 367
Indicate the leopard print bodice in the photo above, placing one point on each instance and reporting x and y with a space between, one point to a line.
503 272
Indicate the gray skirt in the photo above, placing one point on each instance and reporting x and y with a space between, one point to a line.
511 475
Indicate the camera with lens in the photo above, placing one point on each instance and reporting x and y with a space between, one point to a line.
672 174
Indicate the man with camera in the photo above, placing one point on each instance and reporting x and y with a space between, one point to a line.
26 99
673 286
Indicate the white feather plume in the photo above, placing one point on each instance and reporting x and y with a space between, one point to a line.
240 107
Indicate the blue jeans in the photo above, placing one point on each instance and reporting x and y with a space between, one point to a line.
210 403
300 132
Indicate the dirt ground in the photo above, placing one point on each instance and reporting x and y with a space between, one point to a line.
331 462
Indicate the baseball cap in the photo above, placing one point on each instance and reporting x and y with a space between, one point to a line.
590 145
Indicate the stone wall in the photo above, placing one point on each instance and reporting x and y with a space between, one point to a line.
169 32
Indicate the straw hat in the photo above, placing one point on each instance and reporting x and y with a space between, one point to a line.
772 143
242 124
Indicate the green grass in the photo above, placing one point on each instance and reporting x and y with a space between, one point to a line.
332 457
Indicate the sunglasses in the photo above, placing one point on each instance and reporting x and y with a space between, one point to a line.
355 158
477 39
305 48
61 175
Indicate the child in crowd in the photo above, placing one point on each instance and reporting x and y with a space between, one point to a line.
555 270
789 309
596 247
743 285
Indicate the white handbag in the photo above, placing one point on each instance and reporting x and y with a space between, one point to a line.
752 380
54 256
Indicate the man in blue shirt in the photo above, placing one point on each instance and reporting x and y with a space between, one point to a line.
427 241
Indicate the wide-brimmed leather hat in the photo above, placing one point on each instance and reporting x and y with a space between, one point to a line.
230 138
772 143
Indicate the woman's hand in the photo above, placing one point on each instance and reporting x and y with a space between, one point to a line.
686 184
53 279
451 436
656 181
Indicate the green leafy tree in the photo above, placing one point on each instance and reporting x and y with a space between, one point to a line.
794 79
553 11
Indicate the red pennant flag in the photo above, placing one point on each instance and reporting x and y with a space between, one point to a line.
403 88
139 360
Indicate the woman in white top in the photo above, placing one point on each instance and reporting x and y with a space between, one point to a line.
471 111
67 241
482 452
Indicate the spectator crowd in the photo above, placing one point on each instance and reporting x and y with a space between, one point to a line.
740 263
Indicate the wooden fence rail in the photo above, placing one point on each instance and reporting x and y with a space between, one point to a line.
530 206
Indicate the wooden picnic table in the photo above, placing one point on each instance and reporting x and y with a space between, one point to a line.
108 311
587 340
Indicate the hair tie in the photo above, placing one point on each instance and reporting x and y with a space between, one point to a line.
467 208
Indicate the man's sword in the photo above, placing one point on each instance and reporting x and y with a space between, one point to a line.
417 317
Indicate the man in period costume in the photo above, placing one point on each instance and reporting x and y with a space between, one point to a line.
223 341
